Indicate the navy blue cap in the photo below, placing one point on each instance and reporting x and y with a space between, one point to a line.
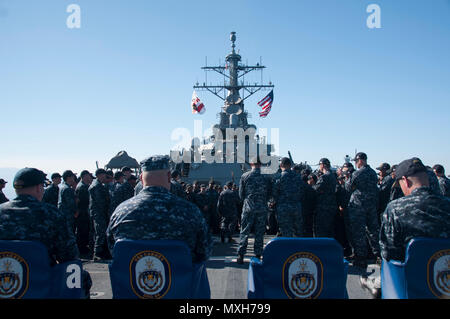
100 171
27 177
384 166
67 173
155 163
55 175
360 155
2 181
325 161
409 167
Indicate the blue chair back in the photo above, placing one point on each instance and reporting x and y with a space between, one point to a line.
25 273
155 269
299 268
424 274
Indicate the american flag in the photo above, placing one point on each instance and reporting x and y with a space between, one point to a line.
197 105
266 104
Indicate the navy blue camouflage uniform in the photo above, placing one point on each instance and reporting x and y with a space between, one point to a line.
384 193
154 214
288 194
254 191
362 212
176 188
444 186
99 202
26 218
326 205
227 207
67 204
83 223
51 195
123 192
421 214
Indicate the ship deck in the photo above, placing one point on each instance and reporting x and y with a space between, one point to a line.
228 280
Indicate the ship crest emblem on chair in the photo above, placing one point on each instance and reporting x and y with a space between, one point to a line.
303 276
150 275
438 274
14 275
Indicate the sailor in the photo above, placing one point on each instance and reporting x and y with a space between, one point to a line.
385 182
138 186
444 182
99 202
396 191
126 171
227 207
155 213
28 218
83 222
119 178
254 191
3 198
202 201
109 182
52 191
308 203
213 197
362 210
124 192
288 193
175 186
421 213
326 208
434 182
67 199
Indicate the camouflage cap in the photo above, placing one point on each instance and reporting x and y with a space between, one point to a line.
27 177
409 167
155 162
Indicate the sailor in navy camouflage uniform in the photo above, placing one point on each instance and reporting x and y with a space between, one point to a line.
444 182
326 207
99 202
67 200
84 233
27 218
175 186
155 213
288 193
3 198
362 210
421 213
384 185
52 191
227 207
123 192
254 191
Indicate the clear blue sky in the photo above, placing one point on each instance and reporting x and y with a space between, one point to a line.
69 97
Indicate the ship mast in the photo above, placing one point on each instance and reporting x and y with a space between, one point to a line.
233 114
